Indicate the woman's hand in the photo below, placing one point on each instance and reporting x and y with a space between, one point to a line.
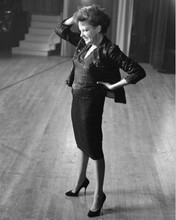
70 21
106 84
114 86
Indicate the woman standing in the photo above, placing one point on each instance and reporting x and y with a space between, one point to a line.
96 64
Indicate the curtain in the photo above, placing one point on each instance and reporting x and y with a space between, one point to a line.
124 24
69 8
66 48
158 38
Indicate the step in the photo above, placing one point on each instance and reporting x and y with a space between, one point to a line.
41 31
41 38
37 45
45 18
27 51
37 39
41 24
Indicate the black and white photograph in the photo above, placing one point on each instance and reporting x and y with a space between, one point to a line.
87 110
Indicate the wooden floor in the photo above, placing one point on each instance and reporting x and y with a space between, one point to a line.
38 154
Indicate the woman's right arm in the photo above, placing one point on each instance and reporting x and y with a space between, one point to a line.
63 30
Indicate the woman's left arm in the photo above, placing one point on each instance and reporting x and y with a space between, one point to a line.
133 69
118 59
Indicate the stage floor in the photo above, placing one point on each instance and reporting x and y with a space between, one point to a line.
38 154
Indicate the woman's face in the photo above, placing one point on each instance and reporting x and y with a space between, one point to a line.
88 32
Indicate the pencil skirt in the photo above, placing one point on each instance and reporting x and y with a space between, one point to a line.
86 114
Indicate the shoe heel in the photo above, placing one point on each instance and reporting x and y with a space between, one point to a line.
85 188
99 211
84 185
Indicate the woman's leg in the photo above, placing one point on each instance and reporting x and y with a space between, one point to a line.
83 162
99 176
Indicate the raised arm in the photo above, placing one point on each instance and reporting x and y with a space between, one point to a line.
63 30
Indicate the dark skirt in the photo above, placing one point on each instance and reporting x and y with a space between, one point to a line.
86 113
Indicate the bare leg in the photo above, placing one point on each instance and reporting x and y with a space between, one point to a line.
83 162
99 175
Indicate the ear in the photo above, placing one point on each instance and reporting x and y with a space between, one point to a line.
98 28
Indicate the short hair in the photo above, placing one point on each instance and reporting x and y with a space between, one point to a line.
94 15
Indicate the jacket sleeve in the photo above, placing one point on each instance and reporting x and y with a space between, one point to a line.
64 31
120 60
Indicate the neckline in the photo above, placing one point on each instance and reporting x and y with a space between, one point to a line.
89 53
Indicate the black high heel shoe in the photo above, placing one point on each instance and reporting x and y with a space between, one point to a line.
97 213
83 185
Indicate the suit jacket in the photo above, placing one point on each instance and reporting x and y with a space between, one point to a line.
107 57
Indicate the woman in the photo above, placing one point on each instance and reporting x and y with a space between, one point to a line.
96 64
